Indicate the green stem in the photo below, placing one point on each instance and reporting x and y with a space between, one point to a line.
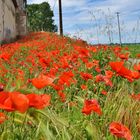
23 122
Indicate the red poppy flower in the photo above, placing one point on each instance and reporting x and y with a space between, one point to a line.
44 62
104 92
137 67
20 101
93 49
86 76
5 55
83 87
62 96
42 81
66 78
135 74
65 64
120 130
58 86
83 52
5 101
107 81
109 73
124 56
97 68
96 62
38 101
89 65
126 73
99 78
3 117
91 106
116 66
121 70
13 101
138 55
117 49
136 96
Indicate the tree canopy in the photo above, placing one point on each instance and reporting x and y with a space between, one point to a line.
40 17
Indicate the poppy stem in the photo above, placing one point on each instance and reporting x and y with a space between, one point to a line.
24 122
13 121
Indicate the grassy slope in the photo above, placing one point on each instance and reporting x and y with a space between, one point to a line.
65 120
134 49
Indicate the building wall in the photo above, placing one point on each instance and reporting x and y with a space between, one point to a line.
1 19
21 18
21 4
12 20
7 20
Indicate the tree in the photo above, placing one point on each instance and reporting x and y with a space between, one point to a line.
40 17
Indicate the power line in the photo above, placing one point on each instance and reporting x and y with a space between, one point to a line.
119 27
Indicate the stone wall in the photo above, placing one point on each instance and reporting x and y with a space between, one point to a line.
21 22
1 20
7 20
21 18
12 20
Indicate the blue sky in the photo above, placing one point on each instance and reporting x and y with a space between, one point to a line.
93 20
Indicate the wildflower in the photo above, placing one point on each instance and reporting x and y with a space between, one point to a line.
124 56
38 101
91 106
137 67
20 101
62 96
3 117
120 130
121 70
138 55
98 69
89 65
83 87
136 96
116 66
135 74
42 81
66 78
104 92
12 101
109 73
5 55
86 76
102 78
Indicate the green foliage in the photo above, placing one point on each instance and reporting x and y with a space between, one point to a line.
40 17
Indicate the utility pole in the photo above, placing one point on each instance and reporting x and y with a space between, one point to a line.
60 18
119 28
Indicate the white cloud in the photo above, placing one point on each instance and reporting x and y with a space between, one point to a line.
76 15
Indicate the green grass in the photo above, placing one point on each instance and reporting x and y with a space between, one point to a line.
64 119
134 49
